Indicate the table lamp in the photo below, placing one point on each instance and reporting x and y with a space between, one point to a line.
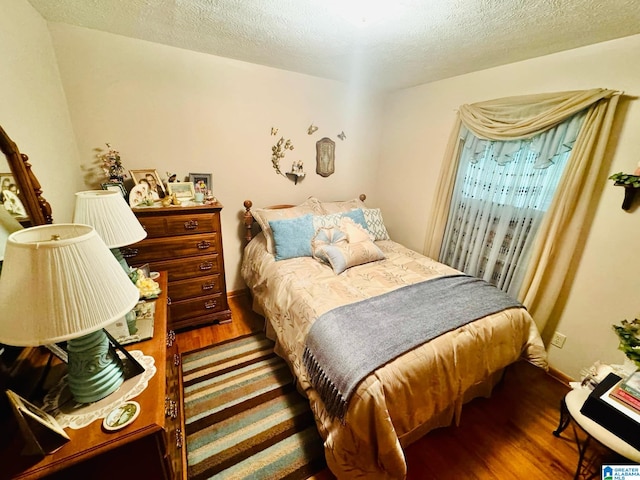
77 287
108 212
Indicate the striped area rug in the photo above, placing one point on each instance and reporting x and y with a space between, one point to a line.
244 417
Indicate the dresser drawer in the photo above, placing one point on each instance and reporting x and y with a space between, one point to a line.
170 225
184 309
170 247
191 267
195 287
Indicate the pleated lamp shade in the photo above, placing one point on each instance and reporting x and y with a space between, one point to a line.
60 282
8 225
108 212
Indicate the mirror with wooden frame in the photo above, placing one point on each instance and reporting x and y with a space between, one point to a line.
25 201
26 205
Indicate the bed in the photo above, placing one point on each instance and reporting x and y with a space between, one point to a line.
413 392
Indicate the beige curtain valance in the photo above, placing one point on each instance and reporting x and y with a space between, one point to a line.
512 118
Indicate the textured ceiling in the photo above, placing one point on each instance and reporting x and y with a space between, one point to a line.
420 41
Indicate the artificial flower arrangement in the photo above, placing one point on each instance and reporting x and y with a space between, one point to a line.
148 287
111 163
629 335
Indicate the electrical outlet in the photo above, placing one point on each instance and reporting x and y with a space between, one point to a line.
558 339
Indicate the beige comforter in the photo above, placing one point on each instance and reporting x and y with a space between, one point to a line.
399 402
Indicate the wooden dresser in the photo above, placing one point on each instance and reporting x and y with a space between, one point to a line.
187 243
153 446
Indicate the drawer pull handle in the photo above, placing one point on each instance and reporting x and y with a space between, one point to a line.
206 266
176 360
208 286
168 300
203 245
178 437
211 304
171 337
170 408
191 225
129 252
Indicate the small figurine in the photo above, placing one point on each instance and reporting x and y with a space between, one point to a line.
171 177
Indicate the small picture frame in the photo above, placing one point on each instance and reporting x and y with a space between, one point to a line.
116 187
202 182
41 433
183 190
152 180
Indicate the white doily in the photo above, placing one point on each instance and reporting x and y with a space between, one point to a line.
68 413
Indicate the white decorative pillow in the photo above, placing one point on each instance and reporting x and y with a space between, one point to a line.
345 206
354 232
264 215
342 257
375 224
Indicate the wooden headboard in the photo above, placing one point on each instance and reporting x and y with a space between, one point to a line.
249 221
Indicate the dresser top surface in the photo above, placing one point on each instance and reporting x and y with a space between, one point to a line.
178 209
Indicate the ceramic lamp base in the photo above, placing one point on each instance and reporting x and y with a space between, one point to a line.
95 370
121 260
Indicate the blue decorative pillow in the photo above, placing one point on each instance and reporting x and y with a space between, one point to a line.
292 237
326 236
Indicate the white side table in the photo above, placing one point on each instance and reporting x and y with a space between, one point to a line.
570 409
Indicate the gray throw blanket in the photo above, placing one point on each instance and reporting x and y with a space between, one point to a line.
347 343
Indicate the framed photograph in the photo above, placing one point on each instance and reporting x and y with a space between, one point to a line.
183 190
116 187
8 183
202 180
9 196
41 432
151 179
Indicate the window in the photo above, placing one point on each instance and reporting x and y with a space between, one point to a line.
502 190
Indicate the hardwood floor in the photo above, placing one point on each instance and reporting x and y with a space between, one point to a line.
508 436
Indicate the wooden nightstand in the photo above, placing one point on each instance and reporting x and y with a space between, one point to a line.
187 243
153 446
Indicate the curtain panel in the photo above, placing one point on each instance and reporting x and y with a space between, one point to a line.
514 118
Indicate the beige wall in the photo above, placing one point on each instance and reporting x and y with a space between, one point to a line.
181 111
606 286
33 108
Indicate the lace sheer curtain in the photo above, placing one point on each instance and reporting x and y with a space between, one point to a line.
517 118
502 190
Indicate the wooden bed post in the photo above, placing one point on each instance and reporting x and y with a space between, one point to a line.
248 220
